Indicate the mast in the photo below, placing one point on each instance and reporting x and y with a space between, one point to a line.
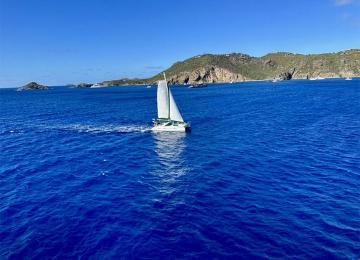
168 93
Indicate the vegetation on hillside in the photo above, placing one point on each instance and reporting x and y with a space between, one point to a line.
198 68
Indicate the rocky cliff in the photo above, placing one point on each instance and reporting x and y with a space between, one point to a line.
206 74
237 67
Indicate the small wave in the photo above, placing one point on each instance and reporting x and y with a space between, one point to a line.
105 129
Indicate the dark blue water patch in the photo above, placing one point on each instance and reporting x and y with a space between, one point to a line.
268 171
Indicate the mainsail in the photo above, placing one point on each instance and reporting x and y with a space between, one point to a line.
163 100
166 105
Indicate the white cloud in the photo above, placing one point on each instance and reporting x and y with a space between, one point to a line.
345 2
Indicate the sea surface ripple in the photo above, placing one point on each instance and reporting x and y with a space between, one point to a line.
268 171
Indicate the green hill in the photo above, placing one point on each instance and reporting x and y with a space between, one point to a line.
235 67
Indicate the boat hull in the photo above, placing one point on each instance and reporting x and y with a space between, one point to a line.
170 126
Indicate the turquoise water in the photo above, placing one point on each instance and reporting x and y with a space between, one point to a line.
268 171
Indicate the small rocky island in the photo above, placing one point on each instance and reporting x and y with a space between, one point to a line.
32 86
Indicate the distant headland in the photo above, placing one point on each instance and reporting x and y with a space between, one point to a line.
238 67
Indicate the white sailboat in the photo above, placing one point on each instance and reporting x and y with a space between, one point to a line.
348 78
169 117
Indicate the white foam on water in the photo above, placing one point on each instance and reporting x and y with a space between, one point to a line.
90 128
106 128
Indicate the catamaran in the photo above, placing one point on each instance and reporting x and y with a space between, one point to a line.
169 117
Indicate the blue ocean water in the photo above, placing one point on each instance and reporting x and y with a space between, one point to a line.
268 171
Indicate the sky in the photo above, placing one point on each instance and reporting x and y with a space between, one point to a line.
57 42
